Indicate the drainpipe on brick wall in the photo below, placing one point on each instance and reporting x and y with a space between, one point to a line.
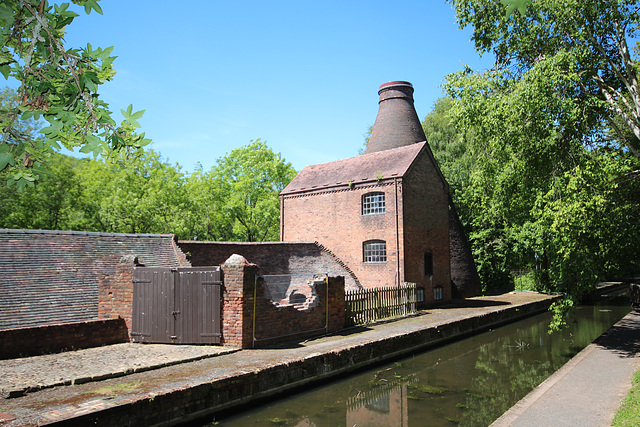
281 219
395 181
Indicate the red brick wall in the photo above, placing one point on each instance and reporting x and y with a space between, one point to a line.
334 218
426 227
284 322
22 342
273 323
272 257
418 202
237 303
115 293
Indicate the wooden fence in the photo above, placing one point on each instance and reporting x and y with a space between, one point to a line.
368 305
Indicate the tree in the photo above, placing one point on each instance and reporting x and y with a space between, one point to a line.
53 204
250 179
147 195
58 84
208 219
587 41
464 163
551 186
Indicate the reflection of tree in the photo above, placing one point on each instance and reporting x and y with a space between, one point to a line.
503 378
510 368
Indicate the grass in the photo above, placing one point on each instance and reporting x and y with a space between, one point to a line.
429 389
629 412
122 388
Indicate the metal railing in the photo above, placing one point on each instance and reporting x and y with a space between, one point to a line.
366 306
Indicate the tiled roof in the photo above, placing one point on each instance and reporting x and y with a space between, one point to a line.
49 277
364 168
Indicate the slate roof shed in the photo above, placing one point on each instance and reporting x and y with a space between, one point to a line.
50 277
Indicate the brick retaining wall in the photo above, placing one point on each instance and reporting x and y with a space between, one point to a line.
22 342
274 322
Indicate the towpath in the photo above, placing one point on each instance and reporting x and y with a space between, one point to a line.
587 390
114 391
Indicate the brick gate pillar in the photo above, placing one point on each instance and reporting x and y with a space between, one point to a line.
237 301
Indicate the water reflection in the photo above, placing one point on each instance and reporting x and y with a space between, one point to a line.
467 383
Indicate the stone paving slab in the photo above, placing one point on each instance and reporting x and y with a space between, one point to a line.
29 374
588 390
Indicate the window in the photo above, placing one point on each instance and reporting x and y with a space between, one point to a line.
428 264
374 251
438 293
373 203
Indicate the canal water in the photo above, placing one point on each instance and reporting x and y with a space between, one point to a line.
467 383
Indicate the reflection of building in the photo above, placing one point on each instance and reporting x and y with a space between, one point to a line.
382 406
385 214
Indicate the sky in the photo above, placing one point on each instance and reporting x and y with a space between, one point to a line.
301 75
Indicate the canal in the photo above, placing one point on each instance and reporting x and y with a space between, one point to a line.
467 383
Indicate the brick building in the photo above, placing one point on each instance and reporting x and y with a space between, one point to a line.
386 214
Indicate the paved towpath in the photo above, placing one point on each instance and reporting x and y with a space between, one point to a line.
60 403
587 390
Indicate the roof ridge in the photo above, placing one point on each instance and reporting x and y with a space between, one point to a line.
279 242
78 233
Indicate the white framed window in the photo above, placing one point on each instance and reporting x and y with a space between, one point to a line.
373 203
374 251
438 293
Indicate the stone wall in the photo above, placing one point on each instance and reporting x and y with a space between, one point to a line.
115 295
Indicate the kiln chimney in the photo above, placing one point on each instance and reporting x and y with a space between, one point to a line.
397 123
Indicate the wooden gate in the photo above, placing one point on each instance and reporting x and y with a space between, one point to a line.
176 305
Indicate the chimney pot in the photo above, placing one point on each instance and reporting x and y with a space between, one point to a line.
397 123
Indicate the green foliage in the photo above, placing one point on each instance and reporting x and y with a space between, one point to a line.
236 200
561 310
57 84
49 205
585 41
629 412
543 165
147 195
250 179
512 5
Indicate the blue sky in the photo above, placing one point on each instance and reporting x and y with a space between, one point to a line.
302 75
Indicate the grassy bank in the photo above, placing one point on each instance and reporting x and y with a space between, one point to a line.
629 412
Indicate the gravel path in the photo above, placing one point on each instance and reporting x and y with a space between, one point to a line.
20 376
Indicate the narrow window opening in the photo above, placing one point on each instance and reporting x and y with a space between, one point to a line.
438 293
428 264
